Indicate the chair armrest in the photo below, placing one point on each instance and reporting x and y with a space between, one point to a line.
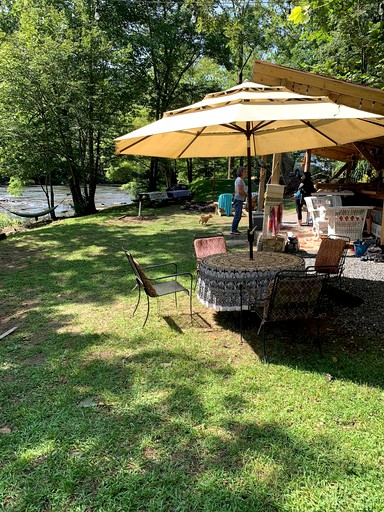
173 275
324 270
161 265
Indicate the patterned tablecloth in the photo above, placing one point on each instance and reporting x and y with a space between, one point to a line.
220 276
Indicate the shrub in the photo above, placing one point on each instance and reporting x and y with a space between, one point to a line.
6 221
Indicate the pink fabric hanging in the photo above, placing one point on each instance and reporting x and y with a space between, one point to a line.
279 216
272 220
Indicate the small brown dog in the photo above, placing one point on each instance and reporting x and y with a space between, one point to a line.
204 219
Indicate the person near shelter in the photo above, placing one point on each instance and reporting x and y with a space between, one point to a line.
305 189
240 196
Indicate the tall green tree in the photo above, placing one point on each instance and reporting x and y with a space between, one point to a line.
165 48
341 38
64 74
235 32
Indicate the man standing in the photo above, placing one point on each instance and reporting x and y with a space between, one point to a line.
240 195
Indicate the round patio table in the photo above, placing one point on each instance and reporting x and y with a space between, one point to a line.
220 277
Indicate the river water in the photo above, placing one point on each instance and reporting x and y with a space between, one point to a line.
33 200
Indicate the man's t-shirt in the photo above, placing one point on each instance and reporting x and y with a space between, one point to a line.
240 181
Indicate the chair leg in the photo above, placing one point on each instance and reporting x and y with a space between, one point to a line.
241 314
146 318
264 349
138 302
190 303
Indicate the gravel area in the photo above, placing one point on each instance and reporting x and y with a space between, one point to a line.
363 280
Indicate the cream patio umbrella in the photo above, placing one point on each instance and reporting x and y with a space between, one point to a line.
247 120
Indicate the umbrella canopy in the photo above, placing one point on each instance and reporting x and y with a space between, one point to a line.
251 119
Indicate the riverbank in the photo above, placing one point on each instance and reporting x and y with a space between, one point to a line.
34 200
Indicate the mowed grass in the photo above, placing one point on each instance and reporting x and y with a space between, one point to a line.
99 414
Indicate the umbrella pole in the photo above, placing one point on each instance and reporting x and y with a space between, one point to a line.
251 231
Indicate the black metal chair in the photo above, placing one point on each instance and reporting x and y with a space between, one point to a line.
293 295
156 287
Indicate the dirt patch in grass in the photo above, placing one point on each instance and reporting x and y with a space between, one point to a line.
8 230
135 218
14 313
11 260
101 355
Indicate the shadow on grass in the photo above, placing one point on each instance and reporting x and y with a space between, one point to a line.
349 350
173 325
152 443
83 261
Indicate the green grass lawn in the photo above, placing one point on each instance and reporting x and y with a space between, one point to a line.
98 414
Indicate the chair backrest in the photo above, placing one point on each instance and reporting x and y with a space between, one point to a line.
347 221
331 255
293 295
337 201
309 203
206 246
141 278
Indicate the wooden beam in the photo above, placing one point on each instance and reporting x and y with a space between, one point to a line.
360 146
339 172
356 96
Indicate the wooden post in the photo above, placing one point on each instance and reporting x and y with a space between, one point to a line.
262 175
348 173
382 228
307 161
275 180
230 165
276 168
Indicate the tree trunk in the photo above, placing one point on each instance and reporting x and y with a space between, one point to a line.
189 170
52 199
47 188
153 174
83 204
90 197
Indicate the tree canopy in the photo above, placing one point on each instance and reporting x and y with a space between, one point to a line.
74 75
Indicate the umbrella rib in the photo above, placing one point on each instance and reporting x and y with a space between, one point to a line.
234 127
134 143
372 121
197 134
307 123
262 124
